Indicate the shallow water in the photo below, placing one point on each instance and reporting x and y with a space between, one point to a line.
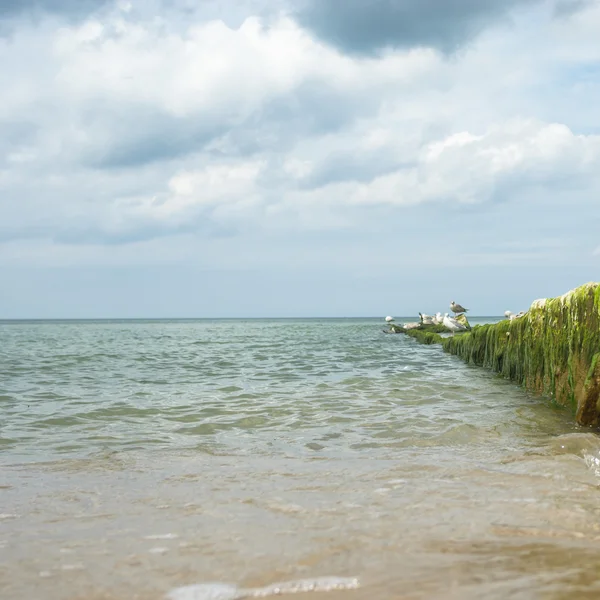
139 457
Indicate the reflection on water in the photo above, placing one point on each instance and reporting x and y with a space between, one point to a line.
143 458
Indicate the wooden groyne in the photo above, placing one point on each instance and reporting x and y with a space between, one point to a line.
554 349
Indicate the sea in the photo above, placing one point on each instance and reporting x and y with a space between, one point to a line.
224 459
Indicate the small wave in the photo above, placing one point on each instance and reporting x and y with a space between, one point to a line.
227 591
592 462
573 443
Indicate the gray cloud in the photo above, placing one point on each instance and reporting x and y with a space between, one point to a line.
134 140
14 135
361 27
65 7
567 8
130 136
349 166
232 12
314 108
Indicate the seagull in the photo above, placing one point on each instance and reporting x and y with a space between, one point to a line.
457 308
511 316
426 319
438 319
389 319
452 324
408 326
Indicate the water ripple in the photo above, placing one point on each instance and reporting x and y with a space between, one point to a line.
332 386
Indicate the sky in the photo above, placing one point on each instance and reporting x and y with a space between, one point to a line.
256 158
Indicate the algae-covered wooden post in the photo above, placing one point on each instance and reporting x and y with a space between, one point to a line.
554 349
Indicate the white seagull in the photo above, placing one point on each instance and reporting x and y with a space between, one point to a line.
452 324
511 315
389 319
438 319
426 319
457 308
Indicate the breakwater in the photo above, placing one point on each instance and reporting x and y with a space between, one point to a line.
552 350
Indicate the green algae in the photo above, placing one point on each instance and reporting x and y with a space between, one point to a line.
425 336
554 350
433 328
422 328
592 369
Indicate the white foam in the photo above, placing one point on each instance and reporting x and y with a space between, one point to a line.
162 536
228 591
205 591
320 584
592 462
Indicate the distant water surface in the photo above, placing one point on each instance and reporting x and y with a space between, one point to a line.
138 457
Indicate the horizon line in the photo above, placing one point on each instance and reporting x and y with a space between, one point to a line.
11 319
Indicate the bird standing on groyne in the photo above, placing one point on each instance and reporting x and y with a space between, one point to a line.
511 315
452 324
426 319
457 308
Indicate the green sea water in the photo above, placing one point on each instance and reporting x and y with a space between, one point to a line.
138 457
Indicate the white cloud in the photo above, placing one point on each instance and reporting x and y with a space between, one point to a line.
210 69
507 160
210 187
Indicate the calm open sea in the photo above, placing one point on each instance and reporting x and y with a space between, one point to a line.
139 457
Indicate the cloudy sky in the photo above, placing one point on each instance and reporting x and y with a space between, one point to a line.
296 157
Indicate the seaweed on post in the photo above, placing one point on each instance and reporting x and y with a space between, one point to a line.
553 349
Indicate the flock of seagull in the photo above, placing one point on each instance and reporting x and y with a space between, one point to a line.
450 323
